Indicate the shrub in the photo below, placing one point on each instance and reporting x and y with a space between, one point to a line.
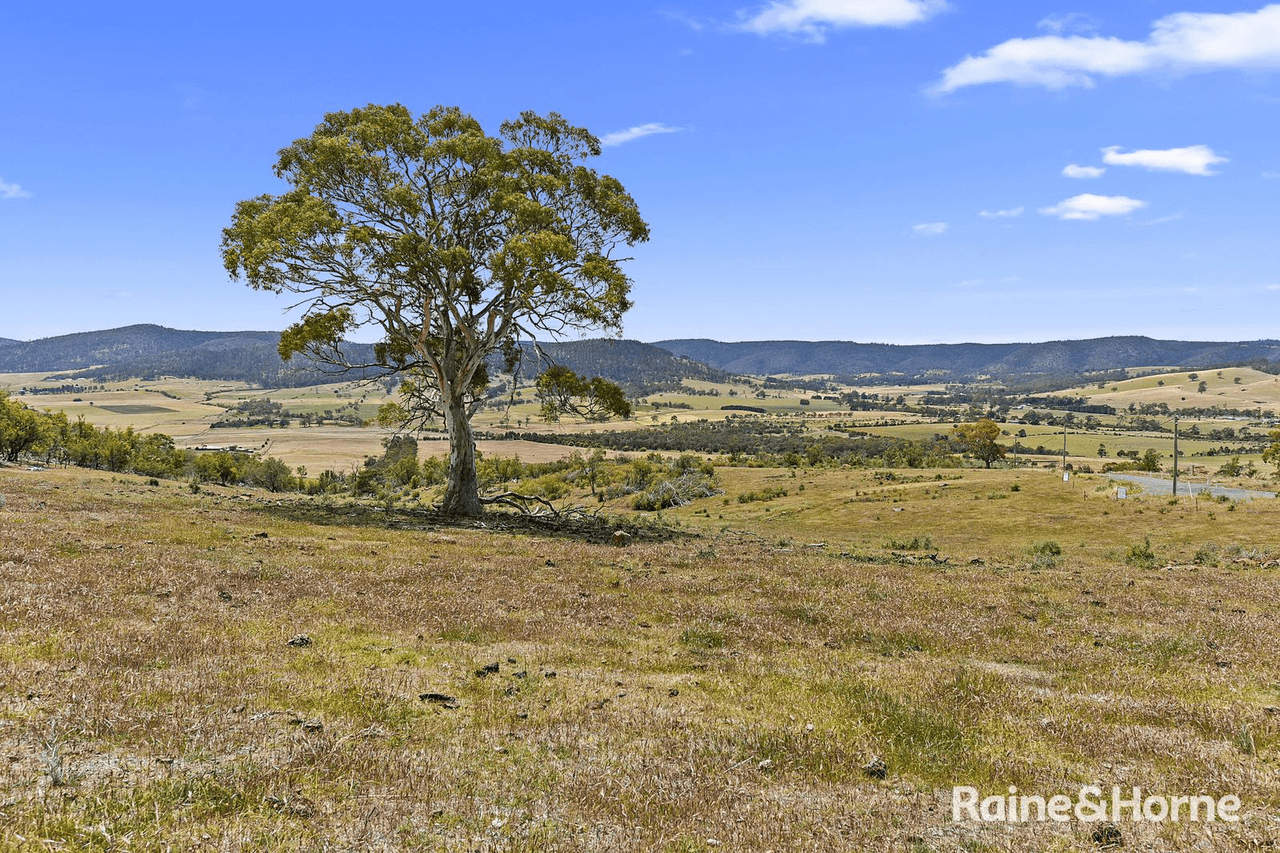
1141 556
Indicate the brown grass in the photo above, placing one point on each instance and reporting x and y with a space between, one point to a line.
720 692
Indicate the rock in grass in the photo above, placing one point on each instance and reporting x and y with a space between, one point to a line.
488 669
876 768
444 700
299 641
295 806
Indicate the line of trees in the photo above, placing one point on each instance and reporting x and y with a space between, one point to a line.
53 439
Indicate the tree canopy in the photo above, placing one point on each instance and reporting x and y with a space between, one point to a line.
451 243
979 439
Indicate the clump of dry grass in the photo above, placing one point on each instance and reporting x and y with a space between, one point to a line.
699 694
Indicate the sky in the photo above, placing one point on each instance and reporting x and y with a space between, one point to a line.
899 171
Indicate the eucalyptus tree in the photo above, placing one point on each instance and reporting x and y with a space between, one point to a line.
451 244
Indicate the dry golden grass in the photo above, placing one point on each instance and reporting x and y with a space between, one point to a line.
712 693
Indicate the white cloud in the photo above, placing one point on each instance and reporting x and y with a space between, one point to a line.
620 137
811 19
1001 214
1173 217
1271 176
1073 170
1088 206
1193 160
1185 42
930 229
8 190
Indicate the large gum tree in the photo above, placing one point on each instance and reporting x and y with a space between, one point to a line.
451 243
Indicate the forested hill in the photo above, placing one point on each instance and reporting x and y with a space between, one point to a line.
147 351
960 361
638 367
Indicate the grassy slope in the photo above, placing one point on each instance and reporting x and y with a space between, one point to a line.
711 693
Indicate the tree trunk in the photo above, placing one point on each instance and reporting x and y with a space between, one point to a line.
462 494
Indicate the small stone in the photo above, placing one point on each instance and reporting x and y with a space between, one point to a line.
876 768
551 673
444 700
312 726
765 764
262 535
299 641
673 692
1108 835
487 670
224 595
524 673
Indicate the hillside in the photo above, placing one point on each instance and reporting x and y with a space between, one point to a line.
960 361
250 356
639 367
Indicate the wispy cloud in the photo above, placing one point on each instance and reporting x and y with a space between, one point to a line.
1192 160
695 24
930 229
1181 43
1073 22
1173 217
812 19
1089 207
1271 176
1001 214
1073 170
8 190
621 137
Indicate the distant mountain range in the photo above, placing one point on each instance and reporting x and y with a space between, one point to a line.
148 351
251 356
966 361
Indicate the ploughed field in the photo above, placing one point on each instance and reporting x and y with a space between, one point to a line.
227 670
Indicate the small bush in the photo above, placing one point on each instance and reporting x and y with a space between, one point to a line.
1206 555
1141 556
1046 554
915 543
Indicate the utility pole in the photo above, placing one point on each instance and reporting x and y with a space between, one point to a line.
1064 442
1175 456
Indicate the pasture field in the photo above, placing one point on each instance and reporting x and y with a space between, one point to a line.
464 689
186 409
176 407
1231 387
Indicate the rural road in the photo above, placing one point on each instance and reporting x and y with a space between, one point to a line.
1161 486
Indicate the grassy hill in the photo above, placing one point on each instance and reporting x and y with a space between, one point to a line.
289 676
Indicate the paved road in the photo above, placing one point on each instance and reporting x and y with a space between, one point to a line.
1162 486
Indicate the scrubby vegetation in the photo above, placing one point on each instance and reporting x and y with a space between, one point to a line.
765 441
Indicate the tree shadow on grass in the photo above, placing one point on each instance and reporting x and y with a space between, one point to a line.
598 529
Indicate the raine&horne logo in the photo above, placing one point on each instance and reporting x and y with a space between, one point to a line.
1090 805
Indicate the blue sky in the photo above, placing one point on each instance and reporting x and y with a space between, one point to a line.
903 171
